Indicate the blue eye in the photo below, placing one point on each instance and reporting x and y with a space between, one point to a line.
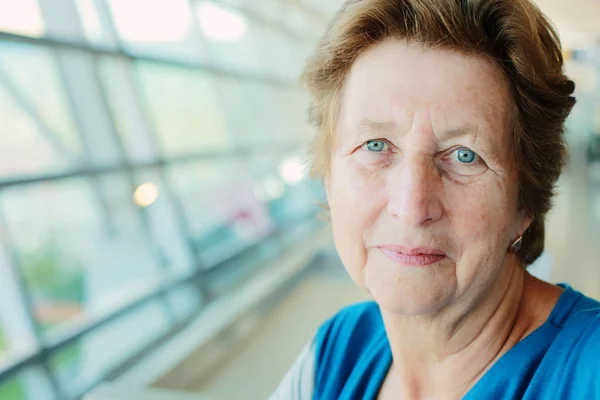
465 155
376 146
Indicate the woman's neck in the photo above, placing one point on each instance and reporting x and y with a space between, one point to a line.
445 355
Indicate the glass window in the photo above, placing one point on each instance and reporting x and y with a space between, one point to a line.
34 72
302 22
129 119
265 114
291 118
280 53
24 148
269 9
82 363
185 108
238 270
248 106
37 133
161 27
16 333
29 384
21 17
230 36
325 8
96 28
220 203
283 185
81 246
185 301
162 220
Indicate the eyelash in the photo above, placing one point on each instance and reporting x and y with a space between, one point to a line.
366 144
447 156
476 161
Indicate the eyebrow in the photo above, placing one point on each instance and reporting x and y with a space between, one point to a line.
461 130
371 126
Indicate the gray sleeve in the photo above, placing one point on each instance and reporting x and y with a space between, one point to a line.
299 381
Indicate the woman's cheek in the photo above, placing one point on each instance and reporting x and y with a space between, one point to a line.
354 197
478 214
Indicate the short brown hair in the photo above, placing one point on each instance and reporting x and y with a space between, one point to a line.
513 34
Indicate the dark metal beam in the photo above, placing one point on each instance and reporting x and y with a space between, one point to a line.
87 171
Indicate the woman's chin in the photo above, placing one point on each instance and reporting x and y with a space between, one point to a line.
409 304
410 294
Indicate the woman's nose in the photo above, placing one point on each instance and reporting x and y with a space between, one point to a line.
414 191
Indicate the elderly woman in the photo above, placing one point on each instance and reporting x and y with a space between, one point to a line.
440 140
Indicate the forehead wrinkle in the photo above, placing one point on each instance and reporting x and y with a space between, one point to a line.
372 126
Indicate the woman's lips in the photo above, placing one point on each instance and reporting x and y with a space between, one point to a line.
415 257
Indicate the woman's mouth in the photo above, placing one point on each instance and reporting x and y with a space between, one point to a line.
413 257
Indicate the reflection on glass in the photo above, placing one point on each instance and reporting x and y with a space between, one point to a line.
82 247
80 364
185 108
21 17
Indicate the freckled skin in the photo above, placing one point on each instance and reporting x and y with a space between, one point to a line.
414 194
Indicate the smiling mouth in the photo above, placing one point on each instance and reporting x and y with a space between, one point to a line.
419 257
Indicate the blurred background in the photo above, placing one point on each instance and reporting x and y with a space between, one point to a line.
158 230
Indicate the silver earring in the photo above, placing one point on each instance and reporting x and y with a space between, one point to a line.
516 246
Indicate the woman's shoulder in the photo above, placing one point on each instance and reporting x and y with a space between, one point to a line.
329 358
577 345
579 348
576 314
357 322
349 334
582 328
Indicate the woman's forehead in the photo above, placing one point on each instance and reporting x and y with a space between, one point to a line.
392 82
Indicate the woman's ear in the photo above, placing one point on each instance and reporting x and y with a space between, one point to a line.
525 221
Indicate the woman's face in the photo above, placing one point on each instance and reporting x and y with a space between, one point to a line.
422 187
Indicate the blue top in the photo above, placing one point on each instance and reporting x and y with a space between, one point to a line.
559 360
